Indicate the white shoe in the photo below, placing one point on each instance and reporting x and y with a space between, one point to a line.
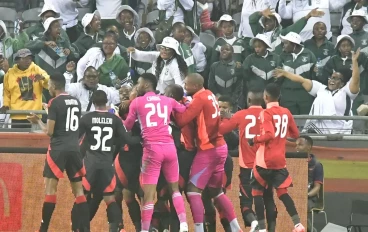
183 227
254 226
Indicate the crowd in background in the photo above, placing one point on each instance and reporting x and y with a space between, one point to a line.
235 45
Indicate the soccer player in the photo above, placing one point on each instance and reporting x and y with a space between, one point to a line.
103 130
208 164
159 152
270 163
62 126
247 121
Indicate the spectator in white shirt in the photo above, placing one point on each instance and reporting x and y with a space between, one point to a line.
249 7
69 13
347 10
84 89
167 64
296 9
336 99
171 10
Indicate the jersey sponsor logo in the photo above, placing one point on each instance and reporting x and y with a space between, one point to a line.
304 58
11 184
232 71
273 63
325 52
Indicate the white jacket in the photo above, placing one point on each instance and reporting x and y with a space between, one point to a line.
346 27
108 9
198 51
249 7
77 90
170 73
68 10
169 6
296 9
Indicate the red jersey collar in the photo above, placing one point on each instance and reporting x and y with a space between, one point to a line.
255 107
199 91
271 104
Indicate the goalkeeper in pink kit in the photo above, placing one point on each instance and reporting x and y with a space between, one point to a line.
153 112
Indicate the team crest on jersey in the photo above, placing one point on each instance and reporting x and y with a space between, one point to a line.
272 63
304 58
364 42
232 71
325 52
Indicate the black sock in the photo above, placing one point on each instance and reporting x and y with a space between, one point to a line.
271 210
81 213
94 204
248 217
47 210
74 217
225 224
290 207
114 216
259 208
134 211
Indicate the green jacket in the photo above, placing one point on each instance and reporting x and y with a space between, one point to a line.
226 79
257 28
303 65
10 45
337 64
241 50
47 58
361 40
37 30
188 57
125 41
112 68
85 42
258 70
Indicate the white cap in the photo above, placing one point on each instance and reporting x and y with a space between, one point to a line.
263 38
274 14
148 31
341 37
196 38
128 8
292 37
359 13
169 42
226 18
50 20
48 7
87 19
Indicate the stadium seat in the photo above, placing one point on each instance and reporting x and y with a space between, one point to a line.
7 3
358 207
152 16
8 15
207 39
320 204
82 12
30 17
237 18
335 19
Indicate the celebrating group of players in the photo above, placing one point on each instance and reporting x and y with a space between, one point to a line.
173 146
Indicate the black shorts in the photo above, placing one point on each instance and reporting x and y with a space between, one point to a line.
278 178
128 169
99 178
229 166
58 161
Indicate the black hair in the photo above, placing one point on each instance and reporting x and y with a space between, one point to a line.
256 91
111 34
89 68
183 68
226 98
150 78
58 80
308 139
176 25
177 91
99 98
273 91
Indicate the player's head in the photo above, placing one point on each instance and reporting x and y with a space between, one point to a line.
56 84
90 78
99 99
147 82
193 83
225 103
174 91
271 93
255 97
304 144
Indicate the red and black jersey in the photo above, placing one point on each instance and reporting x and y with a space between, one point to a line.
277 124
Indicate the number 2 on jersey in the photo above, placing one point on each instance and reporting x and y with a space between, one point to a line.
215 105
250 125
72 120
101 140
155 108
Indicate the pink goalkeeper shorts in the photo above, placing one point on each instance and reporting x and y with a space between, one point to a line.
157 157
208 168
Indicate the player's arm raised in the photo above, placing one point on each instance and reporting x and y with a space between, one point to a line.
132 116
267 128
306 83
192 111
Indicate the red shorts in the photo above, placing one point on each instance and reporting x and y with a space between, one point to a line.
208 168
155 157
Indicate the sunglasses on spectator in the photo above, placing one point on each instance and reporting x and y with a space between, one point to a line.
165 48
335 79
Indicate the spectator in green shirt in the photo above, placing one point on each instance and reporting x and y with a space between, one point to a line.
128 19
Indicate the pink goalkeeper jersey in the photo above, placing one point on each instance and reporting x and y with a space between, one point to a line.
153 113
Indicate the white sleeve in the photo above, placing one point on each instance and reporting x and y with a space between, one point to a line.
113 95
144 56
68 78
82 65
346 89
337 4
175 73
316 86
286 11
73 89
187 4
